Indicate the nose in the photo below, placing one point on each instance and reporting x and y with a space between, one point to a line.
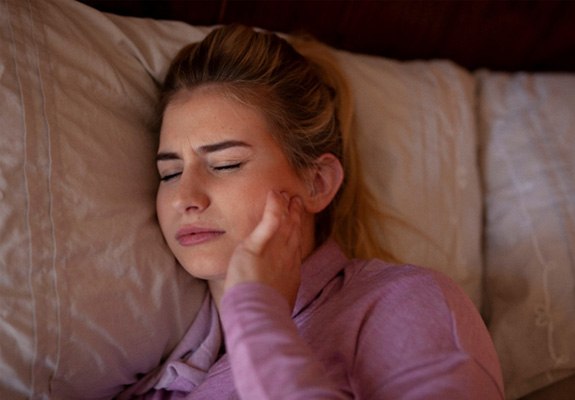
191 195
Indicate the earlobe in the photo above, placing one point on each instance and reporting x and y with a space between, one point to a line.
325 180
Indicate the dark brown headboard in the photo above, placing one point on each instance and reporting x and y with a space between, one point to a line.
536 35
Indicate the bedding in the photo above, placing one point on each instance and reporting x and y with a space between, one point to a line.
527 146
472 168
417 140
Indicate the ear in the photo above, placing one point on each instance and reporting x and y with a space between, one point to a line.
324 180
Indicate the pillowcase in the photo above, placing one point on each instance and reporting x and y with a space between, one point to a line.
417 142
527 146
90 296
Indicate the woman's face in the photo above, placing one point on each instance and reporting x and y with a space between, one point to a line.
217 161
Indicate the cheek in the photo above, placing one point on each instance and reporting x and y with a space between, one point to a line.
247 207
161 210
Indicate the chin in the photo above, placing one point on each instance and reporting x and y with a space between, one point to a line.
203 267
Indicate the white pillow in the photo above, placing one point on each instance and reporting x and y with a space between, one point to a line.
528 158
417 140
89 294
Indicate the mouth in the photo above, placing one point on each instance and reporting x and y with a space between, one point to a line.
194 236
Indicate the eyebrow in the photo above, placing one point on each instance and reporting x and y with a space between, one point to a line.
205 149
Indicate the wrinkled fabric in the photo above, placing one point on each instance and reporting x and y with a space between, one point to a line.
190 361
528 142
359 329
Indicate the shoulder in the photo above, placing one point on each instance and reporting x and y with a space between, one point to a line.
419 320
406 283
408 302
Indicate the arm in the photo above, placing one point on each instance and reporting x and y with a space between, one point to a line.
269 359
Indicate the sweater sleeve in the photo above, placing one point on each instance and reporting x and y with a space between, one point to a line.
269 359
423 339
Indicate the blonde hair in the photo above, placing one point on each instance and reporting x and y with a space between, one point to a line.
300 90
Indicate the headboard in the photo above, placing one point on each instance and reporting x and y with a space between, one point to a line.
535 35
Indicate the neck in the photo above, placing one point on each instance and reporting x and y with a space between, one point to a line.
217 291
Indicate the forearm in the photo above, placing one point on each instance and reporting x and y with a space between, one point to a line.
269 358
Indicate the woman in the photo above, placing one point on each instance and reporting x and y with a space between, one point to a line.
261 196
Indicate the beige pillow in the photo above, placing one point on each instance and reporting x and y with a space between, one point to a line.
417 140
528 159
89 294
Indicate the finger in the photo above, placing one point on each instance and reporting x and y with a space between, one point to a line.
295 208
294 235
269 224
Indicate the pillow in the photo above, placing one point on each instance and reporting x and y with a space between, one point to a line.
528 143
90 296
417 142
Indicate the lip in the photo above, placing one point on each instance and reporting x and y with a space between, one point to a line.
192 235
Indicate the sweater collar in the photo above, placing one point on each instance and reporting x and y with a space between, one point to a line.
327 261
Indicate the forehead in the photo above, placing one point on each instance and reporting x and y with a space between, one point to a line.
245 99
209 113
203 117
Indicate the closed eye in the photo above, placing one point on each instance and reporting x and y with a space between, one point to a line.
169 177
227 167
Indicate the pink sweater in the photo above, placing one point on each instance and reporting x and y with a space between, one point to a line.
360 329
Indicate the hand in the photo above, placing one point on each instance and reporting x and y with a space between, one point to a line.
271 254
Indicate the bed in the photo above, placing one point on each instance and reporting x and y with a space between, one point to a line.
466 128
